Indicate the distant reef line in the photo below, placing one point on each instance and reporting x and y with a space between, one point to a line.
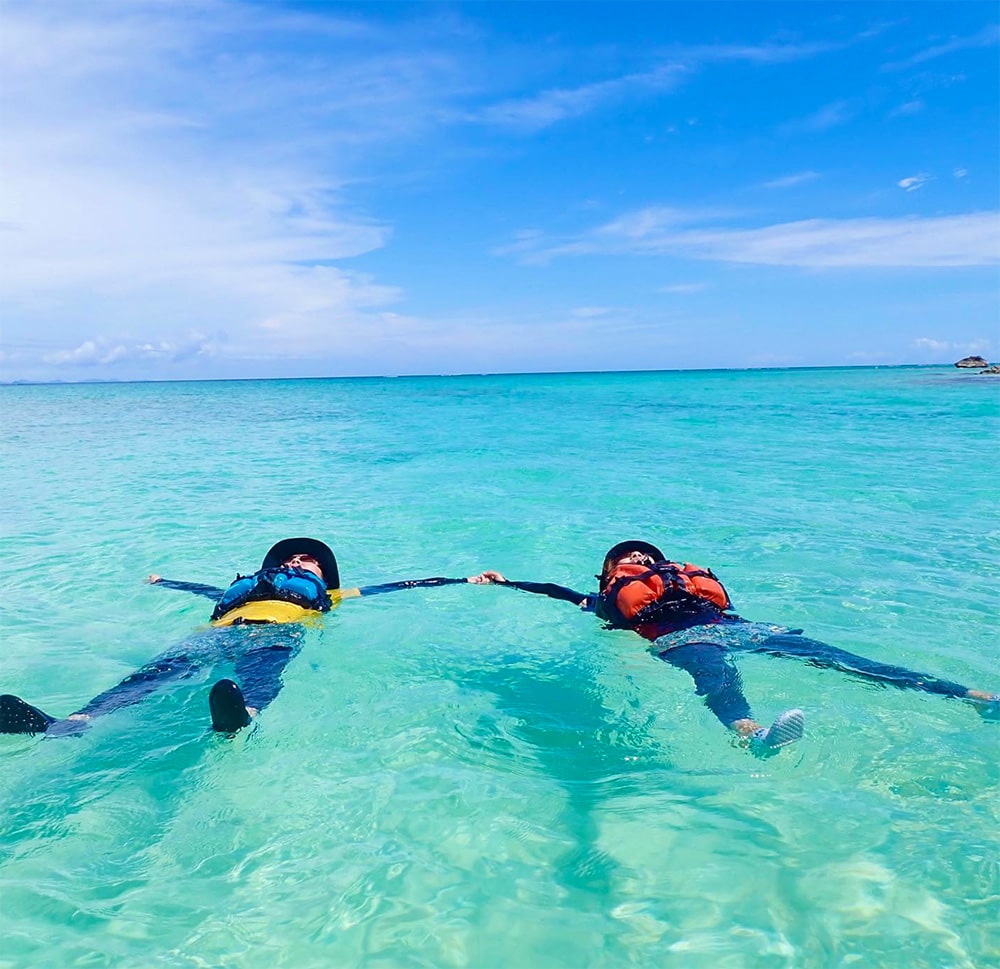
55 381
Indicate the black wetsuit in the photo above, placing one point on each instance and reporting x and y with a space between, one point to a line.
258 650
701 641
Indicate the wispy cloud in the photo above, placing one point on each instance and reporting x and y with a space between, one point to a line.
766 53
987 37
960 240
536 111
908 109
167 159
103 352
643 223
591 312
548 107
683 289
930 343
914 182
829 116
787 181
927 343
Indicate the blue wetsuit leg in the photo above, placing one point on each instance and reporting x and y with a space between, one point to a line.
259 673
181 662
258 670
715 676
829 657
259 666
134 688
140 684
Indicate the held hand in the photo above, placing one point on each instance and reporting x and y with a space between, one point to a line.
486 578
153 579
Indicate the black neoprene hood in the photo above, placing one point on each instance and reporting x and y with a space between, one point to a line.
287 547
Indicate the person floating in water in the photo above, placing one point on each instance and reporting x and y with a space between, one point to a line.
258 624
686 613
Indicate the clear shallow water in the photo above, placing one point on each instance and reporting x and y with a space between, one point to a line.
468 776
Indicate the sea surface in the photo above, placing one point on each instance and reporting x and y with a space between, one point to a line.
469 776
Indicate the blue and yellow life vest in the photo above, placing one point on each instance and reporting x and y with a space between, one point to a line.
281 594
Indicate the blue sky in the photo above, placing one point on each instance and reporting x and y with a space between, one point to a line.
212 188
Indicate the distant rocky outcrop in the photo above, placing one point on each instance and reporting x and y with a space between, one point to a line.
972 363
994 369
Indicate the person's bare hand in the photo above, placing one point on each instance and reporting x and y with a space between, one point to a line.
486 578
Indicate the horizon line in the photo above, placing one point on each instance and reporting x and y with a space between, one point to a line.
498 373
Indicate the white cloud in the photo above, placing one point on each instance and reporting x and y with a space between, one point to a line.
986 37
869 358
973 346
960 172
101 351
537 111
829 116
590 312
683 289
167 171
540 110
787 181
913 182
768 53
926 343
971 239
644 222
908 109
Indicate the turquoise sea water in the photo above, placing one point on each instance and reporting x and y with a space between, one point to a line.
474 777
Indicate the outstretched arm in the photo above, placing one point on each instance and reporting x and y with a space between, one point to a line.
338 595
208 591
374 590
582 599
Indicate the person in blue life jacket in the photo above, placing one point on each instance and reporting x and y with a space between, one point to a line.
686 614
258 624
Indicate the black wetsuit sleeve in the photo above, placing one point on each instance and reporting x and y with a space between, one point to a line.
554 592
208 591
374 590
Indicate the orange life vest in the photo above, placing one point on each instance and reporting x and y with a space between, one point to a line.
638 593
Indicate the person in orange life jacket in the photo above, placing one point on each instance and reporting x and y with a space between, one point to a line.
257 623
686 613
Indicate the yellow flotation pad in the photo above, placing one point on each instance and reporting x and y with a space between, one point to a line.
274 610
